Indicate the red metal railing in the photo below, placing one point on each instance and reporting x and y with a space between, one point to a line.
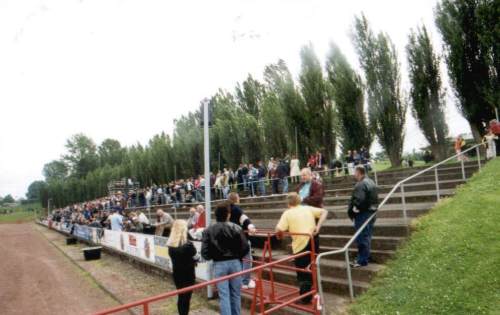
259 297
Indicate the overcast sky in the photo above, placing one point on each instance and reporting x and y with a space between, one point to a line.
125 69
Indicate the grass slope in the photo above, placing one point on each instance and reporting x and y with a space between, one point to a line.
18 214
451 264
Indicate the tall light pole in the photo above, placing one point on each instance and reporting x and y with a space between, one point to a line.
208 210
296 144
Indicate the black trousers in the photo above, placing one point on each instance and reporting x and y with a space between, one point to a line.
183 300
303 278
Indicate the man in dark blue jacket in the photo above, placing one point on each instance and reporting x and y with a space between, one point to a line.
363 204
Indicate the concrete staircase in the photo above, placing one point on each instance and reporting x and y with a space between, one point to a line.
390 231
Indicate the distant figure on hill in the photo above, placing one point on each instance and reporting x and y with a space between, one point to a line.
363 203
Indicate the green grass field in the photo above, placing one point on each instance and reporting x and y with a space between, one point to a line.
21 213
451 264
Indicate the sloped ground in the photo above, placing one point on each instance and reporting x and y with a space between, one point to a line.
451 264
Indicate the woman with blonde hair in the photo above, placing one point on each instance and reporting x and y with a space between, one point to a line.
184 257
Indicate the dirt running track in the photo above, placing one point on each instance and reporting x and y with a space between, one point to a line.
36 278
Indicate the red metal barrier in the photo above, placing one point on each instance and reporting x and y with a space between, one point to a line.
266 292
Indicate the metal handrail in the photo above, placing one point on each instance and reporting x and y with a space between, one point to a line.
275 263
345 249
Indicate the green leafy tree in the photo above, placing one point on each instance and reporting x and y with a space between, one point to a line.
82 155
250 95
347 93
319 109
8 199
386 107
110 152
274 126
470 31
426 94
35 190
279 81
55 170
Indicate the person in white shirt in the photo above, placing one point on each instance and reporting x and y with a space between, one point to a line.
142 218
116 221
149 196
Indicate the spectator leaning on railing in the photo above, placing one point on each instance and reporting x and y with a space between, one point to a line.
164 220
302 219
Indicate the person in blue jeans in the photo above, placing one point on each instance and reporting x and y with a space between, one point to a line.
238 217
363 204
225 244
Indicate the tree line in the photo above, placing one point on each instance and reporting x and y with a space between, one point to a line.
327 107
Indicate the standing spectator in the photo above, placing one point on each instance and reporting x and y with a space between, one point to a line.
311 163
160 196
490 138
320 161
363 203
225 244
349 160
310 191
142 198
459 144
495 129
244 172
183 256
294 169
252 179
275 181
261 176
270 163
225 184
239 218
115 220
282 172
164 220
357 157
302 219
427 157
239 178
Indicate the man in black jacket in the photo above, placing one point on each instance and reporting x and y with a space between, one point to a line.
363 203
225 244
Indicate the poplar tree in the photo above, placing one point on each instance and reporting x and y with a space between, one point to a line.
386 106
347 93
426 94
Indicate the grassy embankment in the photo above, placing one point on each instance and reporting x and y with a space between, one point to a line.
451 264
20 213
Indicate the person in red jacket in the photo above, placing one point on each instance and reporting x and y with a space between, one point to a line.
311 191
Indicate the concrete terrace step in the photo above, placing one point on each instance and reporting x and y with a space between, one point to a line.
330 266
383 227
394 210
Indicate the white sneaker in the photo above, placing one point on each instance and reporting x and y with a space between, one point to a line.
251 284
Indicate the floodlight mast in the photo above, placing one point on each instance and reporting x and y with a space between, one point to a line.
208 211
